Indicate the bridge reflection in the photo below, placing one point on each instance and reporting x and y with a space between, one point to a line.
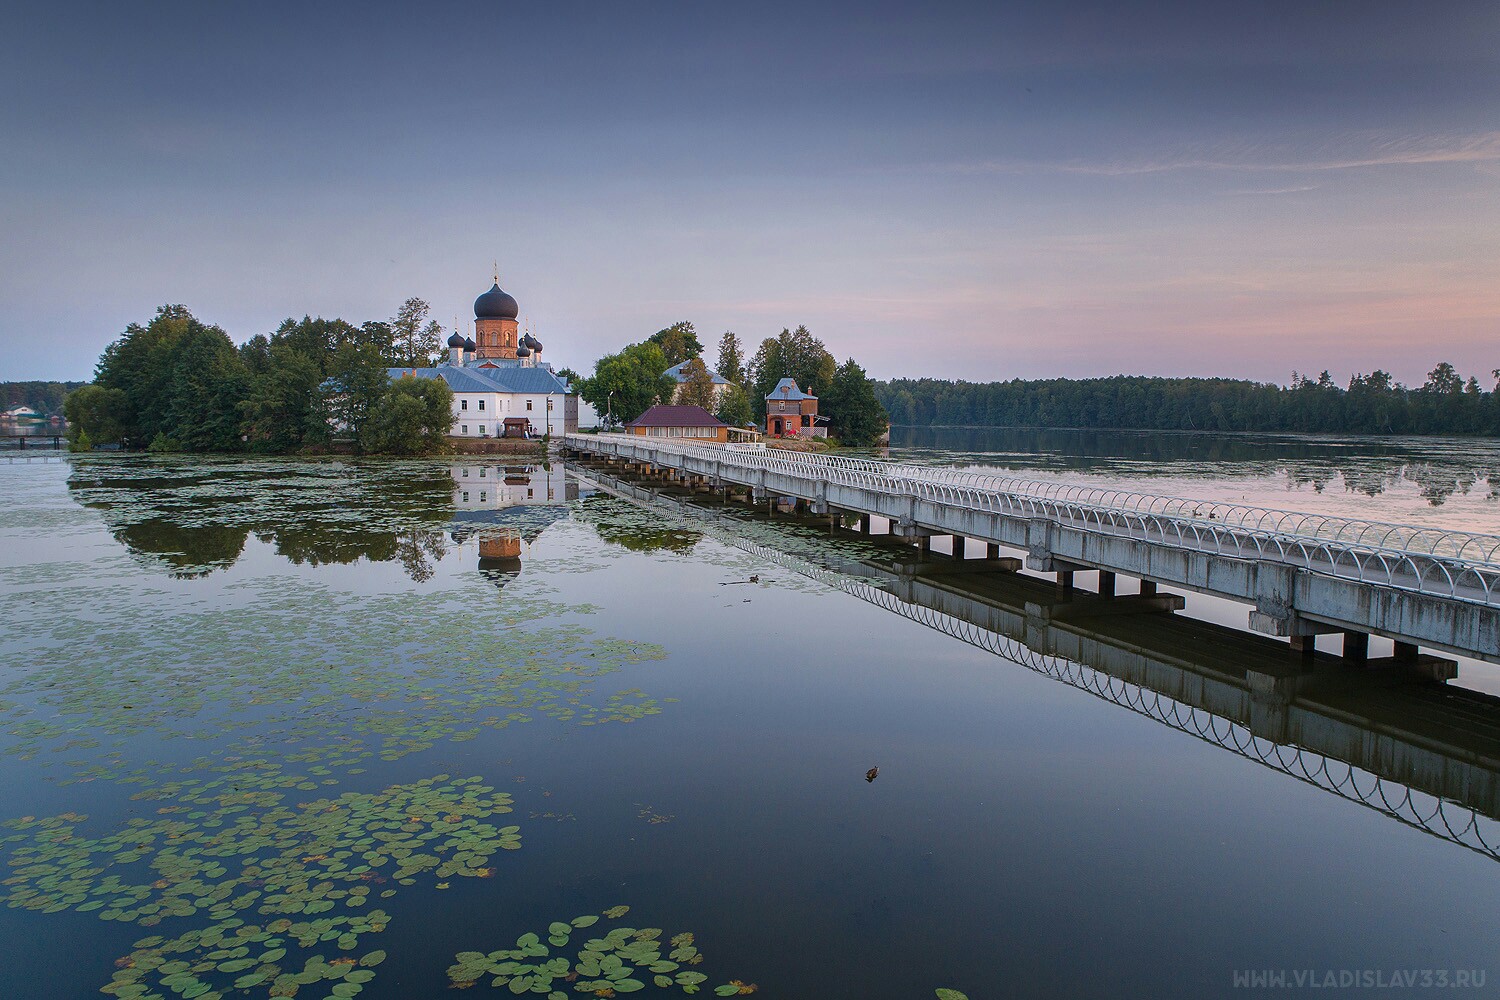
1424 754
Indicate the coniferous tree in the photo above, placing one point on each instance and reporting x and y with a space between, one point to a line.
731 358
849 402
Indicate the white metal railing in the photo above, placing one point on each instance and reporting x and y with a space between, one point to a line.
1461 565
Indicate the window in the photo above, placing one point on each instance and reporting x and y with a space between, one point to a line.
549 406
481 404
463 404
466 468
528 405
806 420
483 496
481 428
464 429
529 494
483 472
466 496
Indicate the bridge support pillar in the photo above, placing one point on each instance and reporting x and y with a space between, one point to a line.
1065 580
1304 646
864 524
1106 583
1357 646
991 551
1405 651
1148 587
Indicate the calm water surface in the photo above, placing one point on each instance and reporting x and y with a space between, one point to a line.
328 729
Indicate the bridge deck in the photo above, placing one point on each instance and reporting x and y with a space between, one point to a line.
1302 574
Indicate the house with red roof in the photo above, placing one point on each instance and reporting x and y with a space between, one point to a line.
692 423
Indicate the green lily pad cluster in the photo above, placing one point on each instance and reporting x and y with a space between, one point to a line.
422 670
307 858
573 957
234 957
230 719
233 863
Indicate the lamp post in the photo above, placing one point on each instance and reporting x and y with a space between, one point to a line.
609 418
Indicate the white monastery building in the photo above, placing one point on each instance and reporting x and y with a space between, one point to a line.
501 387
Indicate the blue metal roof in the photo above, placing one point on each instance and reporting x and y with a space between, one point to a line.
792 391
676 372
538 381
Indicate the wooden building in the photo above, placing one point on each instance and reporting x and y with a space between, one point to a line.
690 422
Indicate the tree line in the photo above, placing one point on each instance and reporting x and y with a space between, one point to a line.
46 398
624 385
1447 403
178 384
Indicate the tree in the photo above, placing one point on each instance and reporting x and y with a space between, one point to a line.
207 384
624 385
357 379
1444 380
413 417
794 354
734 407
678 342
852 408
698 387
731 358
97 412
412 344
379 335
180 378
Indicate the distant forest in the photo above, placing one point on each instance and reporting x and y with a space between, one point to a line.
1447 403
44 397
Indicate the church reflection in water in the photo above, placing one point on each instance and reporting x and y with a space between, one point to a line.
505 508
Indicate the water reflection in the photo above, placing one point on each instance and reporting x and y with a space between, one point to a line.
1421 753
1436 468
193 518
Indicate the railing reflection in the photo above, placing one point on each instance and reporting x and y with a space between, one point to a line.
1437 771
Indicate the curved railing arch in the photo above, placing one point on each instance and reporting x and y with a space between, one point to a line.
1443 818
1463 566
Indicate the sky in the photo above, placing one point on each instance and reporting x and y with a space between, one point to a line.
980 191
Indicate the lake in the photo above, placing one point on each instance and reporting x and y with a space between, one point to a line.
335 728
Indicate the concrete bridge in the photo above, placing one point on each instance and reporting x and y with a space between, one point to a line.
1424 754
1301 575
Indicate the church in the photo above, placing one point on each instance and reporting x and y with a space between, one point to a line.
501 386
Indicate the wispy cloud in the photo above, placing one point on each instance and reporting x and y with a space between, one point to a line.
1285 190
1346 153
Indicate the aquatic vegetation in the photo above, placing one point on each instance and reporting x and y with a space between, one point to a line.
947 994
423 669
620 960
225 737
235 863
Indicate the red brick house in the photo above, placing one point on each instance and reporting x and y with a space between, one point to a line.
790 412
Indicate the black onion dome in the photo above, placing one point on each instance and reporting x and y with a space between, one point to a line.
531 342
469 344
457 340
522 351
495 304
